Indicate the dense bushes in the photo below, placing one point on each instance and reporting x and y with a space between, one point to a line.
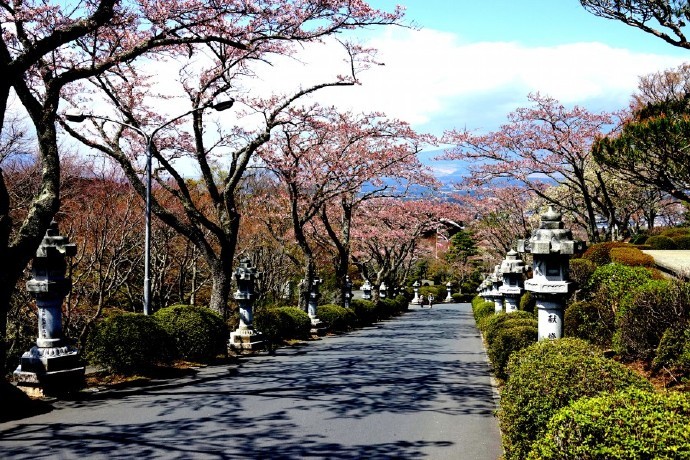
589 320
612 281
527 302
338 319
632 257
673 352
511 337
600 253
482 308
646 313
198 333
128 342
365 311
547 376
628 424
294 323
581 270
661 242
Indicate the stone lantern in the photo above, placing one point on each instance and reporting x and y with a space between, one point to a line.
416 300
496 281
53 365
481 289
551 247
366 290
245 337
513 269
348 291
449 297
383 290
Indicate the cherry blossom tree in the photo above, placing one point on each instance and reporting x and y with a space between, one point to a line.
221 158
541 146
329 161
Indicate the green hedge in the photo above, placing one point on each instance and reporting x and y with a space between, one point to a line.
661 242
198 333
548 376
365 311
600 253
593 321
581 270
673 351
528 302
511 337
682 242
127 343
629 424
646 313
632 257
490 324
294 323
338 319
482 309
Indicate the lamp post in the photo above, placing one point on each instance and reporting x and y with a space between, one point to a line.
78 117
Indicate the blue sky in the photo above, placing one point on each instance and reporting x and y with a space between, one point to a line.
471 63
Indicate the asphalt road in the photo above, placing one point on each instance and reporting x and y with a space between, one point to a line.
416 386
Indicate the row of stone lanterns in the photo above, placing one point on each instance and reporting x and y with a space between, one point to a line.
551 247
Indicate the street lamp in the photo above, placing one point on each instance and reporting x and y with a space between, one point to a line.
79 117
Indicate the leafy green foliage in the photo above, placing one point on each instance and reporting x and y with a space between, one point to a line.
128 342
462 247
512 336
591 321
482 309
294 323
682 242
600 253
673 351
199 334
580 271
627 424
632 257
613 281
646 313
365 311
661 242
338 319
528 302
548 376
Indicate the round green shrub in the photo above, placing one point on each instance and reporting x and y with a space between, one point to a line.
338 319
611 282
591 321
267 320
646 313
489 325
682 242
528 302
511 337
294 323
674 349
675 232
661 242
600 253
128 342
581 270
547 376
632 257
482 310
640 238
624 425
198 333
365 311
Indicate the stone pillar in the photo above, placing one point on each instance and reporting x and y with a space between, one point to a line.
551 247
366 290
348 291
416 300
513 270
496 281
383 290
53 365
245 338
449 297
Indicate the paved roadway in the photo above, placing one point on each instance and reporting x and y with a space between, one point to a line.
416 386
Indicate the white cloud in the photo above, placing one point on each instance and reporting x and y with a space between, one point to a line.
435 81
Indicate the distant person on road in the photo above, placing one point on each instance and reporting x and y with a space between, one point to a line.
421 301
431 300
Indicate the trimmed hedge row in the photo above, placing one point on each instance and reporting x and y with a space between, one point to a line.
130 342
627 424
548 376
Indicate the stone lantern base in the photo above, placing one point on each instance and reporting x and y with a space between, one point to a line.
50 371
246 341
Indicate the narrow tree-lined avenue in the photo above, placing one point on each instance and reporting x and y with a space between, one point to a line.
416 386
